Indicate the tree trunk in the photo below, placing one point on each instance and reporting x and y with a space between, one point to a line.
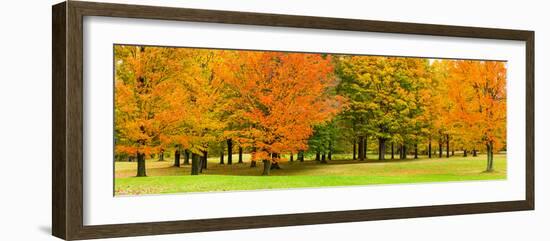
490 157
187 156
392 151
204 163
221 157
453 151
291 157
252 163
301 156
240 154
360 146
447 144
381 148
403 151
465 153
323 158
430 148
318 156
177 158
415 151
161 155
474 152
195 165
354 149
267 167
229 151
141 165
365 149
201 163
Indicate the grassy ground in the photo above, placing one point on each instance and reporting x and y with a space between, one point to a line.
164 178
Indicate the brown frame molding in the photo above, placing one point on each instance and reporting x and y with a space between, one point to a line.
67 121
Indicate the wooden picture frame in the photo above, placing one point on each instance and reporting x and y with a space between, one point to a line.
67 123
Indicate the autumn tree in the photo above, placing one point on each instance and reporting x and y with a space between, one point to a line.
142 111
200 104
480 102
279 97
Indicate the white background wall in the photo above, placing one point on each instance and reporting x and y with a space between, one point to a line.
25 120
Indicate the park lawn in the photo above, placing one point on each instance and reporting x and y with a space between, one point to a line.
164 178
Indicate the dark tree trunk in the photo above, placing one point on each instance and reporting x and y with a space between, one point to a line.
400 151
403 151
141 165
204 163
267 167
447 144
415 151
201 162
354 149
430 148
195 164
291 157
186 157
161 155
392 151
301 156
229 151
323 158
490 157
360 146
465 153
474 152
317 156
240 154
365 149
177 158
453 151
381 148
221 157
252 163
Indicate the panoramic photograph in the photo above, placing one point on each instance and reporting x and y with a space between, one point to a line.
190 120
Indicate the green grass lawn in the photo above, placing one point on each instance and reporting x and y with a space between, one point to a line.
164 178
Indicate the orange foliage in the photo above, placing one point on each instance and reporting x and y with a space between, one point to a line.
278 97
477 91
142 109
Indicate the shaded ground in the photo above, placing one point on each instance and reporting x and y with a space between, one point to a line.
164 178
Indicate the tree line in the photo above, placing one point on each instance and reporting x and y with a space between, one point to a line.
271 104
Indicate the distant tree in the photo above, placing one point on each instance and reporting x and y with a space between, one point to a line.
385 98
323 139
